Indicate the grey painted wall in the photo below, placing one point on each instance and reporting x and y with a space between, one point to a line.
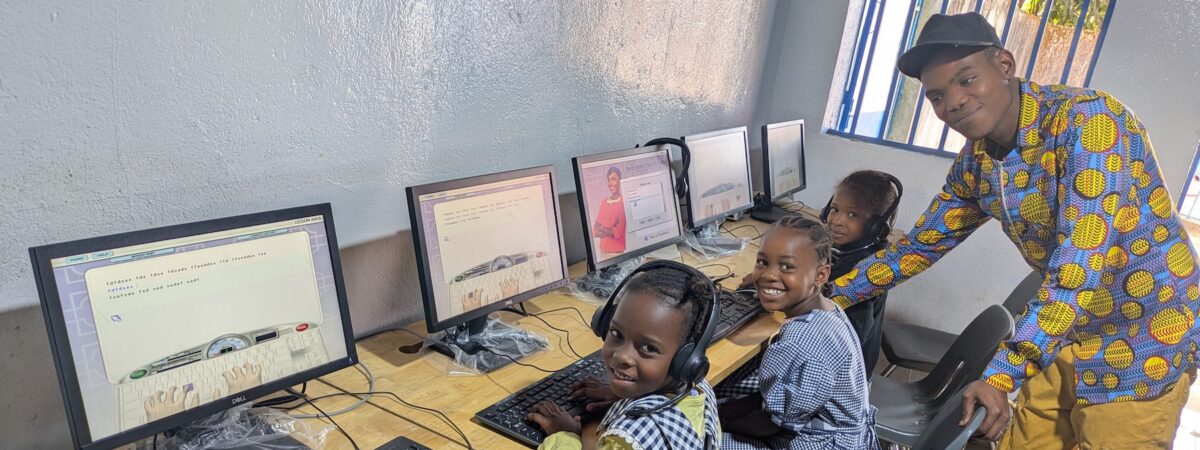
1148 61
125 115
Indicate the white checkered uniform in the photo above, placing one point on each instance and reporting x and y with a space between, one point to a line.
666 429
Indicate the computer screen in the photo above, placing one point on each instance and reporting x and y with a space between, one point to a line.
719 175
628 201
486 242
783 159
153 329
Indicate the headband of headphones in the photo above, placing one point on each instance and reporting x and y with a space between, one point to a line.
879 226
690 363
681 186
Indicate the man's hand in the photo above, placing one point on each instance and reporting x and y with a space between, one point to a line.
996 403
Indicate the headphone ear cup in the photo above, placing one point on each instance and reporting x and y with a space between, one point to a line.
825 211
682 362
600 320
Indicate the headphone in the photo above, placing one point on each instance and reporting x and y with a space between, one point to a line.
681 186
879 226
690 363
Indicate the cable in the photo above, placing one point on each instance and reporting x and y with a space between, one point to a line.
728 270
431 411
339 427
370 388
567 338
281 400
514 360
577 311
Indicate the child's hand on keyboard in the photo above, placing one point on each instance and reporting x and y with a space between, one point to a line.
599 394
162 404
242 378
748 281
553 418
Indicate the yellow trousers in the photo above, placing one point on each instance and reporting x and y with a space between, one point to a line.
1046 416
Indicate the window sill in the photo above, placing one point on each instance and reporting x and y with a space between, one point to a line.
887 143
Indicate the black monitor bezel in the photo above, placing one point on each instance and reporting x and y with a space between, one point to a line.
577 164
64 363
692 222
413 193
768 180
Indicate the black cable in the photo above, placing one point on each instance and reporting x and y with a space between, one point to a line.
514 360
577 311
432 411
154 446
285 399
327 417
566 338
728 270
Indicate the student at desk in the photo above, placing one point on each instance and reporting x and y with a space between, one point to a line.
657 312
808 389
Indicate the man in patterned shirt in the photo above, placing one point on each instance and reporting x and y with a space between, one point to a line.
1104 353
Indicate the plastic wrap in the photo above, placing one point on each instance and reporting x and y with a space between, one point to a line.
491 348
596 287
244 427
708 243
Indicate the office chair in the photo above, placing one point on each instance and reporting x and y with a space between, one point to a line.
943 432
904 409
919 348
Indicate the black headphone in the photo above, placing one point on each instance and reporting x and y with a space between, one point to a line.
690 363
879 226
681 186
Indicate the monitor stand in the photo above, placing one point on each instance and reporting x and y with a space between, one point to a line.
601 283
766 211
484 345
213 432
707 240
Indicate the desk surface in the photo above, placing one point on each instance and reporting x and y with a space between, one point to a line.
423 378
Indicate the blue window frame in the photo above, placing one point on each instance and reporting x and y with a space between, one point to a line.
1189 201
1054 41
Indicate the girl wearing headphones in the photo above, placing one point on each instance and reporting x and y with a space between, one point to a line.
808 389
654 341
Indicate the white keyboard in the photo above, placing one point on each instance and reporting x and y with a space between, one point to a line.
530 274
288 354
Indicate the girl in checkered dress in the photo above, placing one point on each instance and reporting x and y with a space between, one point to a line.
657 312
808 389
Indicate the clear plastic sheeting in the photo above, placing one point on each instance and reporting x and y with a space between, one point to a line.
244 427
596 287
499 344
707 242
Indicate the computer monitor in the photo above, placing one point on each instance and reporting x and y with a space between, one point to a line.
719 175
783 159
628 204
485 243
174 310
783 167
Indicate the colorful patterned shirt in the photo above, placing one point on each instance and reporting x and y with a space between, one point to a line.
1084 202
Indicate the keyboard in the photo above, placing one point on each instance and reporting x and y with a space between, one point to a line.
279 351
508 415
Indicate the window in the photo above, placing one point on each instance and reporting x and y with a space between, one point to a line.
1053 41
1189 202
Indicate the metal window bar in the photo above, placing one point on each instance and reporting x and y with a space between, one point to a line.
852 83
1083 13
1112 6
1193 211
914 9
1037 41
862 88
916 120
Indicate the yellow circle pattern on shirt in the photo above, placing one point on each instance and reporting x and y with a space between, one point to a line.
1110 380
1116 258
1166 294
1180 261
1139 284
845 280
1156 367
959 218
1021 178
1089 345
1161 234
1110 203
1090 231
880 274
1089 377
1193 293
1132 310
1127 219
1035 209
1098 302
1160 202
1001 381
1099 133
1056 318
1071 275
1113 163
930 237
1049 161
1035 250
1090 183
1169 326
1139 247
1118 354
912 264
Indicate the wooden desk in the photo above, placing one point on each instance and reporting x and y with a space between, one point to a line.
422 378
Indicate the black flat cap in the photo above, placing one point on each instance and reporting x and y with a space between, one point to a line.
940 31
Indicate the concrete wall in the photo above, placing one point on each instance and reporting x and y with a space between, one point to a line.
1148 61
125 115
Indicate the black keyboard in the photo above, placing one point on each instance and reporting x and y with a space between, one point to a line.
508 416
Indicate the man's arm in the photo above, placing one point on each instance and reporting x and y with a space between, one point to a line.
952 216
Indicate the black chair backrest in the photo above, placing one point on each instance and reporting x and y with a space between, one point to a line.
943 432
968 356
1023 293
